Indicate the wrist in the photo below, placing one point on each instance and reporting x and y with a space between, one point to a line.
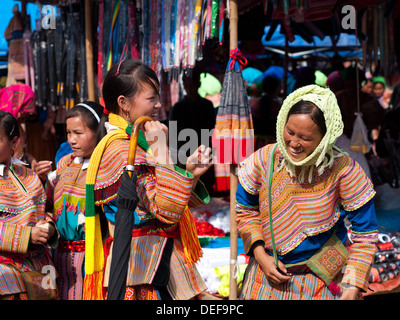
346 286
258 250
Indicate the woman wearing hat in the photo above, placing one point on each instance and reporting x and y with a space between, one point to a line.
292 200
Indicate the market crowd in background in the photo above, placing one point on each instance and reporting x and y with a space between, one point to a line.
372 96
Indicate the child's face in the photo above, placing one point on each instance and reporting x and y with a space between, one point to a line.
378 89
6 148
81 139
146 103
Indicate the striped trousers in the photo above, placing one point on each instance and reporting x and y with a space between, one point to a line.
304 286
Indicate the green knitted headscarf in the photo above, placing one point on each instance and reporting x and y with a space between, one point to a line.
322 156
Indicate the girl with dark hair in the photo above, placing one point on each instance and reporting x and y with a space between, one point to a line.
164 245
291 203
25 228
67 197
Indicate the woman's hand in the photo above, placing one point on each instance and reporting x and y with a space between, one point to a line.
267 265
156 134
42 168
350 293
199 162
42 232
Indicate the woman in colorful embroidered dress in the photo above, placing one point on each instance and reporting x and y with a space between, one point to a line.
164 243
25 228
314 187
67 197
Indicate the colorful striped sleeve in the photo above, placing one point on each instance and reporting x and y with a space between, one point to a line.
14 237
364 236
199 194
252 169
165 194
355 187
248 218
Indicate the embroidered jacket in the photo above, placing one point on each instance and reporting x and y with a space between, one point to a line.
22 203
163 196
305 215
67 194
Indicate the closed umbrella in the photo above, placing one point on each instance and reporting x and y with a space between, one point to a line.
234 122
127 201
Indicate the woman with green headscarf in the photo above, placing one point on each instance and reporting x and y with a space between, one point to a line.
291 202
379 86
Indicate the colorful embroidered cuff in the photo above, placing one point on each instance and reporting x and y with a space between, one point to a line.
359 265
14 237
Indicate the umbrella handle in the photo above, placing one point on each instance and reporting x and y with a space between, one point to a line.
133 143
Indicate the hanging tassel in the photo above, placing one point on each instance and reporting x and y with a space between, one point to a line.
190 240
93 286
334 288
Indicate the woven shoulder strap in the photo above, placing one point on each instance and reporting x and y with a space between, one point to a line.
270 172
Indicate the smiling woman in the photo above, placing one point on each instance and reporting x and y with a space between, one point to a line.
304 130
291 203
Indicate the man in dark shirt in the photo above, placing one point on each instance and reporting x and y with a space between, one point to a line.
373 113
197 114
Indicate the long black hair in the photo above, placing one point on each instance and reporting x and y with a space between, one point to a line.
9 124
126 78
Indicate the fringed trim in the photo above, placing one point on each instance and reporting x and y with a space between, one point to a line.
307 172
190 239
93 286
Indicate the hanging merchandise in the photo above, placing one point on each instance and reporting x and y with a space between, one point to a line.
213 17
56 58
179 29
194 22
28 60
59 58
359 139
165 34
222 8
100 47
51 65
133 31
112 53
60 53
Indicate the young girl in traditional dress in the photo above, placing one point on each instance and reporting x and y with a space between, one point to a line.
25 228
68 195
164 245
293 198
